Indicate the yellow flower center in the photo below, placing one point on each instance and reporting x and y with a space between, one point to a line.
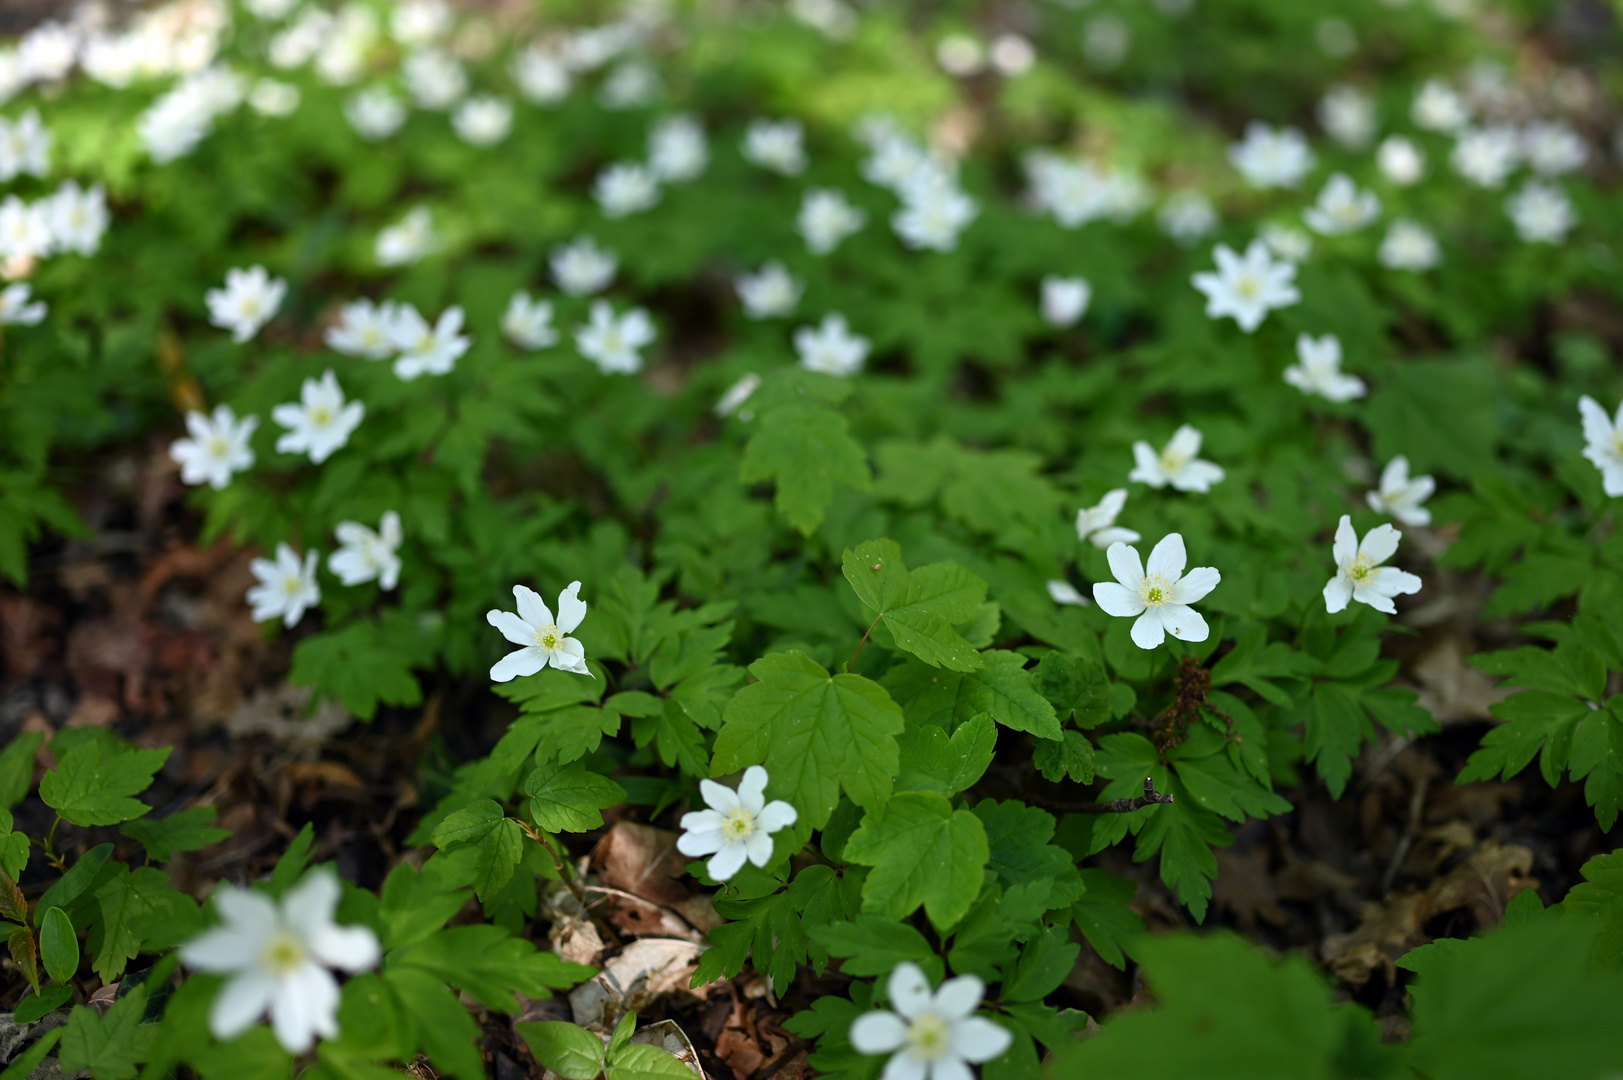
217 447
1361 569
250 306
548 637
1247 286
929 1036
1155 590
1173 461
291 585
320 416
283 955
739 825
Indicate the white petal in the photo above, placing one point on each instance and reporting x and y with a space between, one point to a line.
1380 543
1198 476
305 1005
950 1066
1185 442
1125 565
571 656
531 608
877 1032
513 628
758 848
1184 623
727 862
1338 593
1365 594
1147 631
1147 466
571 608
241 1001
979 1039
1597 425
904 1066
718 797
222 949
1114 534
1395 582
776 815
909 990
752 789
1345 548
1118 600
246 910
351 948
1167 558
703 821
1195 585
310 904
517 663
1110 506
700 841
958 998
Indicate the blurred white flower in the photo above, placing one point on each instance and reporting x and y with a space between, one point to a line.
929 1036
363 329
1247 286
737 826
375 113
541 74
1553 148
248 301
25 229
1097 524
216 449
1187 217
1065 594
677 151
826 218
630 85
407 240
581 268
1271 158
933 213
16 308
615 342
776 145
625 188
1401 496
1437 107
435 79
272 98
770 292
1342 207
1347 114
1289 242
425 349
1541 212
1318 370
736 395
831 348
483 120
1176 464
1106 37
366 555
48 52
1486 156
1157 595
25 146
297 43
1359 573
1408 245
541 641
287 588
321 422
416 23
833 18
894 159
1012 55
1603 442
528 322
960 55
1065 299
1400 160
270 10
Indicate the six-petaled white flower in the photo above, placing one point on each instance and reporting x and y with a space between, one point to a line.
368 555
581 268
1359 573
1270 158
1065 299
615 342
541 641
1318 370
770 292
363 329
1097 524
776 145
826 218
1603 439
1341 207
1176 464
287 587
1157 595
275 956
425 349
930 1036
1401 496
217 449
738 826
321 422
1247 286
831 348
247 302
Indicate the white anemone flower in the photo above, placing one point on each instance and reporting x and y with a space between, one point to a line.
1603 437
1097 524
363 330
1359 573
1409 246
425 349
287 587
826 218
1065 300
1541 212
770 292
929 1036
1439 107
375 113
276 955
625 188
1401 496
1486 156
541 641
1400 160
366 555
1271 158
407 240
615 342
776 145
1157 597
528 322
217 449
1318 370
247 302
321 422
1247 287
933 212
1342 207
25 229
483 120
581 268
542 75
1176 464
831 348
677 151
738 826
17 306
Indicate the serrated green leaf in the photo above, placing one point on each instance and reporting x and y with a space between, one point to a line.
933 761
567 1049
1003 688
188 830
1070 757
568 798
17 767
1043 965
1076 688
919 607
873 945
640 1061
93 783
110 1046
497 840
923 853
805 449
1104 917
491 965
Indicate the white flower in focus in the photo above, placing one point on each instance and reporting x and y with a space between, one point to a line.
736 395
218 447
831 348
1187 216
1400 496
15 308
25 146
367 555
375 113
1159 599
247 302
1603 438
1437 107
614 342
483 120
1065 300
1269 158
1359 573
1400 160
276 955
1348 114
407 240
770 292
25 230
776 145
930 1036
321 422
363 330
738 826
1176 464
933 212
1486 156
1065 594
581 268
826 218
1097 524
1289 242
272 98
1541 212
1409 246
541 641
541 75
1247 287
625 188
1341 207
528 322
424 349
287 588
1552 148
435 79
676 149
1318 370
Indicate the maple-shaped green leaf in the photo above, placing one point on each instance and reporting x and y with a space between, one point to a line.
1104 917
1074 687
136 907
919 607
873 945
492 965
1002 688
93 783
496 838
110 1046
817 735
567 798
1071 756
188 830
361 665
1020 854
805 448
923 852
931 761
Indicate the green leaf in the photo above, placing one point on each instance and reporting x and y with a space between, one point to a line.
13 904
1003 689
20 943
1071 756
567 798
93 783
1043 965
1104 917
290 867
17 767
58 945
923 852
33 1006
816 735
497 839
188 830
23 1065
1076 688
78 878
140 909
640 1060
109 1046
1020 854
873 945
568 1050
918 607
1336 728
805 449
933 761
491 965
360 665
445 1030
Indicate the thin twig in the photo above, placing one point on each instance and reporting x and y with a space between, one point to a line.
1151 797
567 874
1417 803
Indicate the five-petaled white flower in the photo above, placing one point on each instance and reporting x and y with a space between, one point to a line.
738 826
831 348
1159 598
1400 496
1176 464
275 955
1341 207
770 292
625 188
321 422
826 218
1438 107
424 349
1270 158
78 217
1247 287
286 587
1065 300
1097 524
614 342
541 641
1359 573
363 330
367 555
1318 370
17 308
581 268
247 302
1486 156
1603 437
528 322
776 145
217 449
1400 160
375 113
929 1036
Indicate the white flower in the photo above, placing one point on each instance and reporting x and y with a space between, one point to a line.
1318 370
272 98
375 113
1400 160
247 302
1348 114
1289 242
424 349
78 218
1065 300
363 330
677 150
297 43
1409 246
581 268
434 79
408 239
367 555
25 146
15 307
483 120
528 322
1159 599
321 423
894 160
1247 287
960 55
540 640
1065 594
736 395
1552 148
826 218
1438 108
270 10
1073 191
48 52
1341 207
1097 524
1400 496
25 230
1012 55
1187 216
416 23
625 188
542 75
1604 443
776 145
933 212
1541 212
218 447
738 826
630 84
1359 573
930 1036
1486 156
770 292
1270 158
275 956
614 342
1176 464
286 588
831 348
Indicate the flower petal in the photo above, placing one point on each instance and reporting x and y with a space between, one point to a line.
571 608
513 628
959 997
1168 558
518 662
1147 631
1380 543
222 949
877 1032
1198 476
305 1005
700 841
246 911
1395 582
727 862
776 815
908 989
1125 565
979 1039
1345 548
351 948
1185 442
758 848
752 789
310 904
1184 623
531 608
1195 585
1118 600
905 1066
1597 425
1338 593
719 798
950 1067
240 1002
